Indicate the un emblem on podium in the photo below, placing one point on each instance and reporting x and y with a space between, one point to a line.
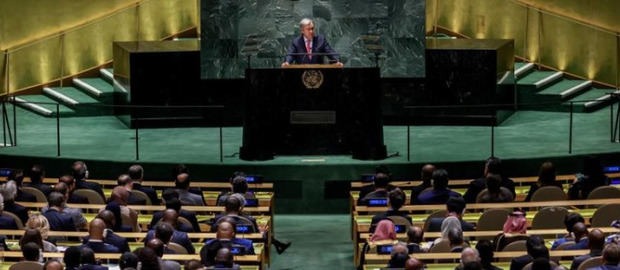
312 79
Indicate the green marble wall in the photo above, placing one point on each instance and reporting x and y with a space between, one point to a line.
233 29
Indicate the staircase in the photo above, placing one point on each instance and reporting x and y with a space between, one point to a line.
83 98
551 91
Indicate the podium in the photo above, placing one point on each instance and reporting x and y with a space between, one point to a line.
312 110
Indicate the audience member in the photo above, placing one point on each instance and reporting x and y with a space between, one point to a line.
596 242
533 245
70 182
485 250
495 192
440 193
396 199
590 178
6 222
611 258
541 263
39 223
71 258
493 165
580 231
385 231
136 173
468 256
125 181
225 238
32 235
56 217
18 177
76 213
37 173
224 260
32 254
455 236
381 182
414 264
239 186
426 176
546 177
166 233
174 204
182 183
193 265
398 256
109 236
158 246
455 208
8 192
415 236
115 208
96 238
515 223
129 217
52 265
87 260
128 260
80 174
147 258
569 221
234 209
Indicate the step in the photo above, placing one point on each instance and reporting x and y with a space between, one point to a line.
48 110
521 68
566 88
96 87
107 74
540 79
592 99
69 96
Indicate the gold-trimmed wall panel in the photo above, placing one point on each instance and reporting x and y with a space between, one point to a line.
91 46
161 18
602 13
34 64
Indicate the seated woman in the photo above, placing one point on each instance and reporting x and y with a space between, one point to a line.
495 192
546 177
40 224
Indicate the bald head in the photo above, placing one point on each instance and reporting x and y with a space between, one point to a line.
52 265
400 248
61 188
427 172
108 218
182 181
414 264
469 255
596 239
157 245
120 195
95 229
225 230
580 230
415 234
170 216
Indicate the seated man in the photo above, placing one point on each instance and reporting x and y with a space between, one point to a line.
303 47
9 192
158 246
31 252
37 173
75 213
570 220
129 217
495 192
493 165
18 177
396 199
87 258
415 236
96 240
233 209
53 265
80 174
239 186
440 192
110 237
186 197
455 207
381 189
398 256
426 177
468 255
457 244
414 264
224 260
485 249
70 182
596 242
166 228
535 246
175 204
136 173
581 236
6 222
55 214
225 237
611 258
125 181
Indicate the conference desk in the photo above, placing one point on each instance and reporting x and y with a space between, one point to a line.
265 198
197 209
451 266
383 259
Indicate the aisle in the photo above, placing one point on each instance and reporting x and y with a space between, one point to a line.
319 242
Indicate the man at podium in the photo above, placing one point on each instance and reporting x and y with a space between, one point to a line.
310 48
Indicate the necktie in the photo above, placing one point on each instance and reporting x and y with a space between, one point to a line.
309 49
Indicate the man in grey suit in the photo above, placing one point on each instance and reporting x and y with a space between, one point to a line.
182 187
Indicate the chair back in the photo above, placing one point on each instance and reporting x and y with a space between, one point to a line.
178 249
142 195
590 263
516 246
481 194
436 214
492 220
605 215
398 220
27 265
92 196
441 246
550 218
549 193
604 192
502 240
36 193
20 224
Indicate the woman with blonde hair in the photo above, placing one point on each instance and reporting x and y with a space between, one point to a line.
40 223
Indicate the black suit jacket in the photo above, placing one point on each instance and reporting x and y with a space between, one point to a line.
89 185
148 191
435 225
319 45
475 186
415 191
46 189
25 197
519 262
113 239
17 209
59 221
7 223
74 198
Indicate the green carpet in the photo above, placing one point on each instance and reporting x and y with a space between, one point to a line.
318 242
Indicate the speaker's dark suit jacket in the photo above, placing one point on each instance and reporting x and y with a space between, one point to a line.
319 45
